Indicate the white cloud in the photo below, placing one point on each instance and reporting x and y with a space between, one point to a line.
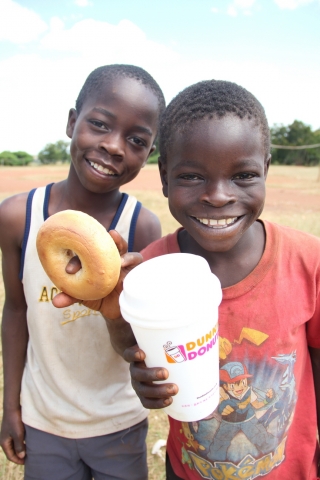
232 11
37 91
56 24
82 3
50 83
19 24
98 42
214 10
244 3
241 6
291 4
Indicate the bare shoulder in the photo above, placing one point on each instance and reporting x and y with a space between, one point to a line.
12 219
148 229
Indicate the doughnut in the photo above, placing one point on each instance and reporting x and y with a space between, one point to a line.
70 233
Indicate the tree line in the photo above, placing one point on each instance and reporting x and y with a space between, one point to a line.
50 154
290 137
297 134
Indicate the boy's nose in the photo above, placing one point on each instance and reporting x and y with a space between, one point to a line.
218 194
112 144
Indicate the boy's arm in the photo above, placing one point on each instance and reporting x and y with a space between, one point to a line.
14 327
148 230
315 360
121 335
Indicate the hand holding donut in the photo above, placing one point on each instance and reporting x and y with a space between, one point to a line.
98 283
109 305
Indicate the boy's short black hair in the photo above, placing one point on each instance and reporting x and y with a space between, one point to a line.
208 99
101 75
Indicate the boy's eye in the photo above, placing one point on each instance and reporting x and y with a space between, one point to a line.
189 176
244 176
98 123
138 141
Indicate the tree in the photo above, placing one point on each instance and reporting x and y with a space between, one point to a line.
15 158
55 152
24 157
295 135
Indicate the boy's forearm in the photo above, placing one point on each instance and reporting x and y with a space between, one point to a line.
14 347
121 335
315 359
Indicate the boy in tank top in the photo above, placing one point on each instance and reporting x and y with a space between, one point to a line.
69 409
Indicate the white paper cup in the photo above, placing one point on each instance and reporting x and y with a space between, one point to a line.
172 304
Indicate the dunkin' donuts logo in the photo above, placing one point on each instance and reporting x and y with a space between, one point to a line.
191 350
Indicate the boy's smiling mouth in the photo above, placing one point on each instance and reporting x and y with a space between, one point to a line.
217 223
100 168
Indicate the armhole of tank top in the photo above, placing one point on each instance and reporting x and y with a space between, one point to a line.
115 219
133 225
28 222
26 230
46 201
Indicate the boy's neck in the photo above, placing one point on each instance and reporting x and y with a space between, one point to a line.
233 265
70 194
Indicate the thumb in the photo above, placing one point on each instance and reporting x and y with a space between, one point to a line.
19 446
62 300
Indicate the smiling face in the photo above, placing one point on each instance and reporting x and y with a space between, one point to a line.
215 180
113 134
237 389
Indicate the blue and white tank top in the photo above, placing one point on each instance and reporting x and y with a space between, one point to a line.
74 384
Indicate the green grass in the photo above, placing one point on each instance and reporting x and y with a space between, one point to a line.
284 183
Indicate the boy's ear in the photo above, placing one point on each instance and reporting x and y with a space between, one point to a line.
267 165
164 176
72 118
152 149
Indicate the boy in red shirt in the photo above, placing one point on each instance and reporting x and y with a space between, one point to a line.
214 147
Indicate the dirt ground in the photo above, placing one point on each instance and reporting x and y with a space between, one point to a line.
22 179
297 190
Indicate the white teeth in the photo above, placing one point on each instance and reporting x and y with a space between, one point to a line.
100 168
222 222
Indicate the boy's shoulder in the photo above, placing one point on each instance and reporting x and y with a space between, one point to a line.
148 229
294 242
13 209
292 235
12 219
163 246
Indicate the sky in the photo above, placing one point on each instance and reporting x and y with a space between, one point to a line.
48 48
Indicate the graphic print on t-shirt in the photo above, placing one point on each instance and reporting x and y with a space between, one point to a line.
245 437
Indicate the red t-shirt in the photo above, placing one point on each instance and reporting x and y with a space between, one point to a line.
265 424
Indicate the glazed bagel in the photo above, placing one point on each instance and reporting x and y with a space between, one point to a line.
69 233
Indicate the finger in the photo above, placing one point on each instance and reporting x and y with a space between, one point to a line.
153 395
153 390
130 260
134 354
120 242
141 373
74 265
62 300
155 403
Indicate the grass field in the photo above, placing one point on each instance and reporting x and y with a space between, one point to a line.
293 199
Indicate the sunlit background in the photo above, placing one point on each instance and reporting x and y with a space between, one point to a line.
47 48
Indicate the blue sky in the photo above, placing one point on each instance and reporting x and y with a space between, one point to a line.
47 48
